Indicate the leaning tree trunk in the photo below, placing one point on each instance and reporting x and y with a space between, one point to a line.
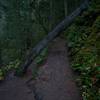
51 35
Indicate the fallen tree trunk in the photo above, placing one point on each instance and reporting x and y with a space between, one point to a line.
51 35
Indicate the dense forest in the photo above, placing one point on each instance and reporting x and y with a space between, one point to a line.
24 23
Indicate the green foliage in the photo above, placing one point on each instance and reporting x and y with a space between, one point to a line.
11 66
1 75
96 25
84 42
21 33
39 60
23 23
42 56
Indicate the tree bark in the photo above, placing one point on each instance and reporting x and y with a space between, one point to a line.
52 14
0 58
66 7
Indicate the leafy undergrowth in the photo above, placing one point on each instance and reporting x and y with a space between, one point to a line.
83 38
39 60
15 65
5 69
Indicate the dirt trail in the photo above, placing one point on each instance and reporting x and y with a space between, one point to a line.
54 81
14 88
55 78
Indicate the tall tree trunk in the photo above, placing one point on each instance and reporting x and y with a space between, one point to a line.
66 7
56 12
0 58
51 17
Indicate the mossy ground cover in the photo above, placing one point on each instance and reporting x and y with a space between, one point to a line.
83 38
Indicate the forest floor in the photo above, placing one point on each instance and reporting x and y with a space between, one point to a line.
55 79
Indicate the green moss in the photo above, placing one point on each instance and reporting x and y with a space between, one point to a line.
1 75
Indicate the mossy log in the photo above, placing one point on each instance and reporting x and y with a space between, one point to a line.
51 35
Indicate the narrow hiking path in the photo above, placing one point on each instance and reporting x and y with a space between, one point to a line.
55 78
54 81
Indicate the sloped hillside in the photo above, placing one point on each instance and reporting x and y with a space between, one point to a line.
83 38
